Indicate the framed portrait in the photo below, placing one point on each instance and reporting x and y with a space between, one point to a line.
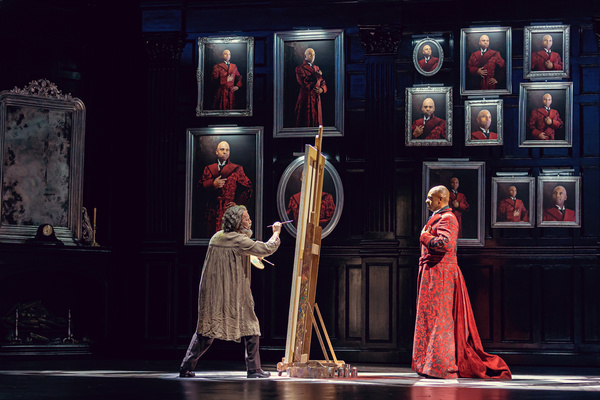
546 114
485 61
42 135
428 56
288 197
224 167
309 83
225 76
428 116
559 201
466 182
546 51
483 123
513 202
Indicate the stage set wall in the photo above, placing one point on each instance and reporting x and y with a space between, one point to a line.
534 291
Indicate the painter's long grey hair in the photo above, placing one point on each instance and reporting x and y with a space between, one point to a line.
232 220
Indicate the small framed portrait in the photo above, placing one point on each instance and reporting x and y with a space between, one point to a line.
309 83
224 167
428 56
513 202
485 61
225 76
546 51
546 114
559 201
428 116
466 182
289 196
483 123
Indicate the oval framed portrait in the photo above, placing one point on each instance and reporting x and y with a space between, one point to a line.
289 196
428 56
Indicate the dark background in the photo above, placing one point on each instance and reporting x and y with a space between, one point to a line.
533 291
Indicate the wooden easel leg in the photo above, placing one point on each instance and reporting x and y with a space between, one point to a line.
325 333
312 317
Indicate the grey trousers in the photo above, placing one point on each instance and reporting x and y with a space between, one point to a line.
199 345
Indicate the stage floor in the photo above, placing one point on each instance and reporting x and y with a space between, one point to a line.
137 379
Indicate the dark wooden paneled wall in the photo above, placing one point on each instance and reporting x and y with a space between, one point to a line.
533 291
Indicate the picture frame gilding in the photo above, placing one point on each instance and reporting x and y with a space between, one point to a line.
534 55
525 186
210 50
42 179
289 48
531 96
546 186
415 97
246 150
471 175
289 185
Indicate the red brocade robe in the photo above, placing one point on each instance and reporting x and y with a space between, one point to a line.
429 65
230 192
479 135
507 208
446 342
327 208
463 206
552 214
538 60
490 60
308 105
537 123
225 95
435 128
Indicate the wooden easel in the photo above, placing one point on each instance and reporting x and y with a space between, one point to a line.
301 317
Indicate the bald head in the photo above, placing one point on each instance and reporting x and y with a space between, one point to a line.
309 55
559 195
427 51
222 151
428 107
437 198
547 42
484 119
484 41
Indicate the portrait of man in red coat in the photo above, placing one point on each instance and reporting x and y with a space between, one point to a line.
544 122
428 63
512 209
428 126
486 67
229 80
446 340
312 85
546 59
484 121
458 203
558 211
225 185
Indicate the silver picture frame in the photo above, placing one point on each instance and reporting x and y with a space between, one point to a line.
525 217
290 185
471 82
546 215
534 56
471 176
437 57
246 151
531 96
442 97
473 133
210 50
289 48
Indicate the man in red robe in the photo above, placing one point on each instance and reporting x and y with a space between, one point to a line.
429 126
327 208
428 63
559 212
546 59
226 185
512 209
484 120
544 121
458 203
487 65
229 79
446 341
312 85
